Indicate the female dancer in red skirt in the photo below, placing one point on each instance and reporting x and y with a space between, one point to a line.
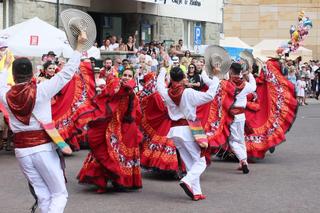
114 137
73 100
274 96
270 112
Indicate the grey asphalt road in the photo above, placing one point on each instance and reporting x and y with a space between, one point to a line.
285 181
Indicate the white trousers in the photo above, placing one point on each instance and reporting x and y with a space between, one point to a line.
44 173
195 164
236 140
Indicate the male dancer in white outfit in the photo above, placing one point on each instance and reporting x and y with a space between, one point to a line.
182 104
34 150
236 139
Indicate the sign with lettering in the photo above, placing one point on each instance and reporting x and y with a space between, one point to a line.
196 3
197 10
197 35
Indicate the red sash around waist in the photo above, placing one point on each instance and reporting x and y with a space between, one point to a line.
237 110
180 122
30 138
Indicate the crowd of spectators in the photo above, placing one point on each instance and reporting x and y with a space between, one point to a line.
148 58
144 58
305 76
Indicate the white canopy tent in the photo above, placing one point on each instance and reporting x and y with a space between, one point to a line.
267 48
234 42
234 46
35 37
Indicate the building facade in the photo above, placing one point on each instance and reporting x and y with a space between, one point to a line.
255 20
161 20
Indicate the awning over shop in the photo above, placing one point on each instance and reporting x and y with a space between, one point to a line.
234 46
267 48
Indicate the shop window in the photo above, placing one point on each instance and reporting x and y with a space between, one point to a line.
112 25
146 33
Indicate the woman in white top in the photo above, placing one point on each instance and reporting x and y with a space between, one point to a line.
106 45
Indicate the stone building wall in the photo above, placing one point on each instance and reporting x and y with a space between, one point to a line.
255 20
26 9
211 33
164 28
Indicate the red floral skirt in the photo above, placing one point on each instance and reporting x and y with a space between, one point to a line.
114 155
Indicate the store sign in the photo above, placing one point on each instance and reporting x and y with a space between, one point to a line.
196 3
198 10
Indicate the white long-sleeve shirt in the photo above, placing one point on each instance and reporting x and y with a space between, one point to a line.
241 98
190 98
188 105
42 109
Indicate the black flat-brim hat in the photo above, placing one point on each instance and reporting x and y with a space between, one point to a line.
51 53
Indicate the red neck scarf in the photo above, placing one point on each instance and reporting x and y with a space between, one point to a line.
175 92
21 99
239 83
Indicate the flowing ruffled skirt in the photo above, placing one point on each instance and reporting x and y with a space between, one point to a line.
72 101
115 154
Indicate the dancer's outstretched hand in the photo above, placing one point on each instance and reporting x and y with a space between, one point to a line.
9 60
82 38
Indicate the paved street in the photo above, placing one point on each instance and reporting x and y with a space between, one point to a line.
286 181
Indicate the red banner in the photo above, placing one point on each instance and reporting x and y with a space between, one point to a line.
34 40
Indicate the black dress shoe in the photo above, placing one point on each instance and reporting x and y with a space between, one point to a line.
272 149
245 169
187 189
